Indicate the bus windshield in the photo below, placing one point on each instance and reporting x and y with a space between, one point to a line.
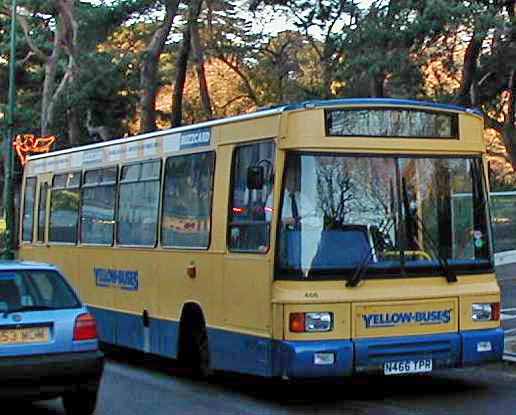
390 215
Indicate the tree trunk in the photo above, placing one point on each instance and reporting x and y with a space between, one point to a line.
198 58
182 63
377 86
74 129
464 96
179 86
149 71
66 10
49 85
509 128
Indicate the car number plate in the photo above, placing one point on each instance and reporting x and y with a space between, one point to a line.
24 335
400 367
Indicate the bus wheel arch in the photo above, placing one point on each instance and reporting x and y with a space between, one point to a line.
193 347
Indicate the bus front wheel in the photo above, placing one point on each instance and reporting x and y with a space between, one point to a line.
201 363
194 350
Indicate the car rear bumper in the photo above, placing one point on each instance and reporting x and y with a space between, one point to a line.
49 375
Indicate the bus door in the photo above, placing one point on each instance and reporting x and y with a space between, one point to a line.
247 266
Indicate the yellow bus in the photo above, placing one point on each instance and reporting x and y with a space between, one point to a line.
324 238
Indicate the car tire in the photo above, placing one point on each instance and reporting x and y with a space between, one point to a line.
80 402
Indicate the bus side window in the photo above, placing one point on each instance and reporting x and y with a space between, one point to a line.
98 206
187 196
28 209
42 211
251 205
138 202
64 208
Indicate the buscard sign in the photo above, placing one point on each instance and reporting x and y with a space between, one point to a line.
401 318
195 138
125 280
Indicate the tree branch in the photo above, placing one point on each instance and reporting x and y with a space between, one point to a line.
493 123
26 31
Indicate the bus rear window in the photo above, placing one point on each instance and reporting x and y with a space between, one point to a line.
395 123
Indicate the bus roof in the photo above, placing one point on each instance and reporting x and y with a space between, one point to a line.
270 111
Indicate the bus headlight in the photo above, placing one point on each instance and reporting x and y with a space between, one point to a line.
485 312
311 322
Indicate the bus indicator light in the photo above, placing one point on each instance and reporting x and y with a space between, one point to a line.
297 322
495 311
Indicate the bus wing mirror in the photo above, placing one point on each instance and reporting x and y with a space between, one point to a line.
255 177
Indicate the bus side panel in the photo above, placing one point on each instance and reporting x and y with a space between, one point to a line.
247 316
239 352
247 293
177 288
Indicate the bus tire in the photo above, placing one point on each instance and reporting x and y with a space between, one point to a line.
194 351
201 364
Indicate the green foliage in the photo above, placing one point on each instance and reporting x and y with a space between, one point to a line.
332 48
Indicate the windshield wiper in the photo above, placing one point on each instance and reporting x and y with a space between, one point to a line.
362 267
27 308
443 262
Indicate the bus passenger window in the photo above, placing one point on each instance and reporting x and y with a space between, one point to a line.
250 213
187 195
64 208
28 209
138 204
98 206
42 211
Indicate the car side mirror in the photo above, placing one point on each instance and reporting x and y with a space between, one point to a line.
255 177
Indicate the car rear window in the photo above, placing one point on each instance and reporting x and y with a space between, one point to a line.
35 290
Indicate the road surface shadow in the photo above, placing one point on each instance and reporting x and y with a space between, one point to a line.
322 392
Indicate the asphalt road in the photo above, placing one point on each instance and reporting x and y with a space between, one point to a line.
156 387
506 276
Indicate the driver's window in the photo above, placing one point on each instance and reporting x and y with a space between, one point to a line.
251 206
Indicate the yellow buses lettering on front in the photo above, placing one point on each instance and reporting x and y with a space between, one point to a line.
317 239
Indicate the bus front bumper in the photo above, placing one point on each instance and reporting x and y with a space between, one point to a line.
324 358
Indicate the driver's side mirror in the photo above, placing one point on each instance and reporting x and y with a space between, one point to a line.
255 177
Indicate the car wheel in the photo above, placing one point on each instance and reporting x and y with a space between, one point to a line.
80 402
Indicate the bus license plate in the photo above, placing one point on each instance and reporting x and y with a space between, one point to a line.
25 335
407 366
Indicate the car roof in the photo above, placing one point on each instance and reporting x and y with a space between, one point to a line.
24 265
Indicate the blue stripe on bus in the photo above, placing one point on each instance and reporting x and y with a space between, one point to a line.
485 340
261 356
242 353
127 330
295 359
